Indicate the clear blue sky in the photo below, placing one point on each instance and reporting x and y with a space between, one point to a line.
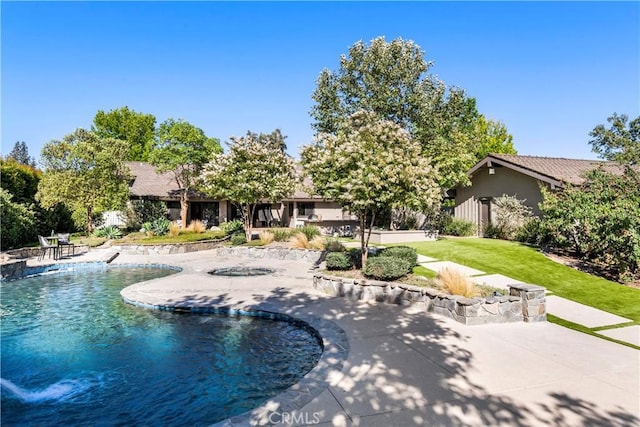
550 71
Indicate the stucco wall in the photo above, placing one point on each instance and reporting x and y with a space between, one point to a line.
504 181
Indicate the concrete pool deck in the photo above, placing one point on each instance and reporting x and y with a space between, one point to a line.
410 368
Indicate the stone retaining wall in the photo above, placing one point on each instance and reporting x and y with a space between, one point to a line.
167 249
524 302
308 255
33 252
258 252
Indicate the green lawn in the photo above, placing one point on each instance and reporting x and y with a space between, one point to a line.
528 265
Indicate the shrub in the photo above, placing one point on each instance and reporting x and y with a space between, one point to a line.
310 231
405 252
356 257
492 231
158 227
197 226
139 212
109 232
238 239
266 237
386 268
174 229
318 242
533 232
459 227
334 246
509 215
454 282
299 241
282 234
231 227
338 261
16 222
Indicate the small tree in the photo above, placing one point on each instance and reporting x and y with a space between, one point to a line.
509 215
371 164
182 149
256 167
85 173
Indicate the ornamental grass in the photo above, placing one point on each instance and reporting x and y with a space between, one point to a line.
266 237
197 226
455 282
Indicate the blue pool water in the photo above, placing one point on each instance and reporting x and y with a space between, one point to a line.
72 353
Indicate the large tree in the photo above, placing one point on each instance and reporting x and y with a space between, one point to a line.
20 153
491 136
255 168
137 129
85 173
182 149
391 80
619 143
19 179
368 165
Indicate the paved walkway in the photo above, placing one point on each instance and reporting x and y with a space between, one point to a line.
560 307
408 368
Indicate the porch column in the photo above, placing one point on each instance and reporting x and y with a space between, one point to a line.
223 211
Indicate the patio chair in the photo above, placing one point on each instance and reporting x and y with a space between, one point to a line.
64 240
46 246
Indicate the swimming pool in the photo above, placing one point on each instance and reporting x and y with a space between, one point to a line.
73 353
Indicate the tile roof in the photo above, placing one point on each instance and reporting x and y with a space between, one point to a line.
149 183
569 171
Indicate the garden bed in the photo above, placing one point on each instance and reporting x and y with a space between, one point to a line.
382 237
524 303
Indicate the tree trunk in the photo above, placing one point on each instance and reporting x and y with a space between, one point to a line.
184 208
248 221
366 243
89 220
363 241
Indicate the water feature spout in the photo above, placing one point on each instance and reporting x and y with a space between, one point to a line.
58 391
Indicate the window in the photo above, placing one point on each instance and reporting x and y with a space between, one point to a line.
305 208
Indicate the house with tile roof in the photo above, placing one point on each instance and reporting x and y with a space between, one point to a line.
519 176
300 209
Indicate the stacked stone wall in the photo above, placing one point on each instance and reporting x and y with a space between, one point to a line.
524 302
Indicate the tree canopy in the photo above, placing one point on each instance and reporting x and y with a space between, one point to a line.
137 129
19 179
391 80
183 149
491 137
20 153
256 167
84 172
619 143
368 165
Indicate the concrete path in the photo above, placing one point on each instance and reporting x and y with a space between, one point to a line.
630 334
496 281
439 265
581 314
